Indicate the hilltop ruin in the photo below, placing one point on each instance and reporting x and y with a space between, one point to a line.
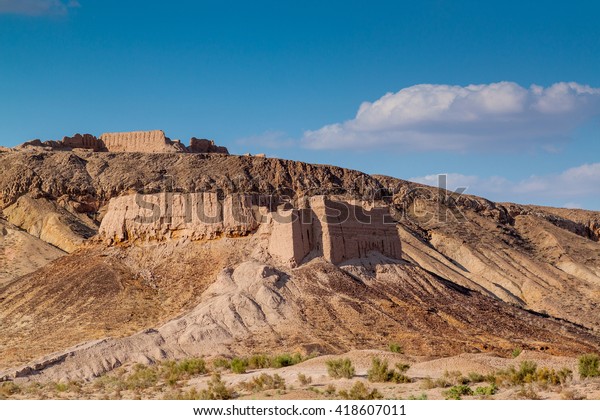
154 141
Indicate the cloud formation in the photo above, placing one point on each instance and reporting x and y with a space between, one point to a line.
570 186
456 118
37 7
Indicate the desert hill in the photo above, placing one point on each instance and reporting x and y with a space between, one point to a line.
93 290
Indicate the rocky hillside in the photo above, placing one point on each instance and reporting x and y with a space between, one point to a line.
474 275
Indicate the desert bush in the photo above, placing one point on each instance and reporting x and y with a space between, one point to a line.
172 371
340 368
552 377
396 348
304 380
379 372
239 365
423 397
589 366
528 373
61 387
428 383
192 394
216 389
142 377
191 367
263 382
8 389
516 352
475 377
286 359
486 390
259 361
569 394
527 393
221 363
360 392
525 374
458 391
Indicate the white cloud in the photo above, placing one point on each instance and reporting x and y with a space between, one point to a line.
443 117
578 183
37 7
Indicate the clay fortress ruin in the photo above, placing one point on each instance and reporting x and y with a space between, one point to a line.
153 141
333 229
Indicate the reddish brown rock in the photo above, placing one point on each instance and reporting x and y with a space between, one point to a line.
205 146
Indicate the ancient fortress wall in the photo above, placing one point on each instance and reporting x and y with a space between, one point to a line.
336 230
133 141
140 141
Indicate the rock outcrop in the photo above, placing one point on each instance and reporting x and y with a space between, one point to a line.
21 253
205 146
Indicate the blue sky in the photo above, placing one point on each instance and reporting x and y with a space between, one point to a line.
502 96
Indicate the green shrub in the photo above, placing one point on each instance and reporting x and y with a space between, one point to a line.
61 387
221 363
396 348
551 377
525 373
423 397
529 373
259 361
142 377
340 368
589 366
286 359
239 365
516 352
458 391
191 367
360 392
486 390
172 371
379 372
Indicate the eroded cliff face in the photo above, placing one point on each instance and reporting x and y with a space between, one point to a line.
177 216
